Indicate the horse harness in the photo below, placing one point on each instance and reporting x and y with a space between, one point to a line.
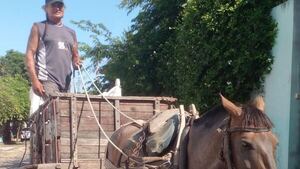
225 153
169 158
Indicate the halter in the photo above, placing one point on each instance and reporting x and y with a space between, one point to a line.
226 154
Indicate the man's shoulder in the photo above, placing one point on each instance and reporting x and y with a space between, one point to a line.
40 22
69 29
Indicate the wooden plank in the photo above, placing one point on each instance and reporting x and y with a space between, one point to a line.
54 128
85 149
86 164
138 116
92 97
74 148
48 134
117 119
129 103
45 166
88 113
84 141
156 107
43 137
105 107
86 134
136 108
84 105
91 127
58 110
87 124
66 156
94 165
81 160
34 151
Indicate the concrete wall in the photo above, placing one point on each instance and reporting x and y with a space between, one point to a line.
278 83
294 141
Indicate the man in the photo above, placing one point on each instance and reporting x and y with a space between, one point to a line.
51 50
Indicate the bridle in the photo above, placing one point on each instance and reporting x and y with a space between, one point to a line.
226 154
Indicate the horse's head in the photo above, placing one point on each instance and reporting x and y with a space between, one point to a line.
251 141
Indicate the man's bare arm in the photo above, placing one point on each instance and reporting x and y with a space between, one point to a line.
32 47
75 55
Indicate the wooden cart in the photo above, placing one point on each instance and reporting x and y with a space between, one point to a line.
65 133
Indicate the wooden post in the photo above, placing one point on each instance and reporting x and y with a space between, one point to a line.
117 115
58 128
43 137
54 131
156 106
74 153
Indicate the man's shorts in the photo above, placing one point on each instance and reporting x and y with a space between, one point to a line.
36 100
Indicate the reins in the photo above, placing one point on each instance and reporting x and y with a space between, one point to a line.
99 125
119 111
248 129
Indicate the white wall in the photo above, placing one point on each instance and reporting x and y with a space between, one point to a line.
278 83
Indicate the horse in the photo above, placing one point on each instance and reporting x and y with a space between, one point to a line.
228 136
232 137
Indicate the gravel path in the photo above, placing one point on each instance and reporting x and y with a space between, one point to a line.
11 155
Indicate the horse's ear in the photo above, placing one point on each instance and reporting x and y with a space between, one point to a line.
259 103
230 107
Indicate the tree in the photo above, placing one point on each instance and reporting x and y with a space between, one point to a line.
222 46
14 100
194 49
139 60
14 85
13 63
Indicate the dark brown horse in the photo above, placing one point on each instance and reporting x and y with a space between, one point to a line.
234 137
226 137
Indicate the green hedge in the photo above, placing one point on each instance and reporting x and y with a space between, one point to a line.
222 46
192 50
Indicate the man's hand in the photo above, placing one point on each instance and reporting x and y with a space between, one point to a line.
77 62
38 88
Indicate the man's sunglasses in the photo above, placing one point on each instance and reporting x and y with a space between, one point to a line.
57 5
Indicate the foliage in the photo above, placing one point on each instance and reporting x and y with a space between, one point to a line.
14 100
193 49
103 48
222 46
14 85
136 53
13 63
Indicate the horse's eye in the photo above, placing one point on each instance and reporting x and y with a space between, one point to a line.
246 145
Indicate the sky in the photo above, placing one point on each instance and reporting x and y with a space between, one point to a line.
17 17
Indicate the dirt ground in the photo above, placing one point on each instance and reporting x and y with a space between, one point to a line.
11 155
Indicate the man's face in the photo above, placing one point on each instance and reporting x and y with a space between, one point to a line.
55 10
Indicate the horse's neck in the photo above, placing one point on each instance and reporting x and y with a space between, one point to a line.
206 139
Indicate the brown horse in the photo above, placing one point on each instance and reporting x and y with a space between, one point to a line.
234 137
226 137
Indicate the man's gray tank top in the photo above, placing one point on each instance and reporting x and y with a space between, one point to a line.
54 54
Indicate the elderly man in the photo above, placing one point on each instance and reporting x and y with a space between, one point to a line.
51 52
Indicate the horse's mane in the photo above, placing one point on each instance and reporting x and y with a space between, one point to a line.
253 117
212 116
